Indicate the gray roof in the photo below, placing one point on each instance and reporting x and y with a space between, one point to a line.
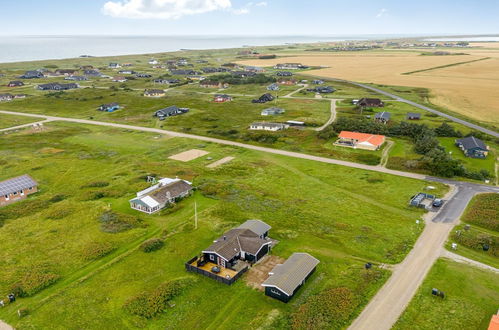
291 274
382 115
413 115
236 240
16 184
257 226
472 142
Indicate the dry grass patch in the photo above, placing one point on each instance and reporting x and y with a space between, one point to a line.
220 162
189 155
260 272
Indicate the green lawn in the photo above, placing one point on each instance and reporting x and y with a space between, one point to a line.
469 303
12 120
482 214
472 163
342 216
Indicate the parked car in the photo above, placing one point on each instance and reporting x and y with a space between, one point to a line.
438 202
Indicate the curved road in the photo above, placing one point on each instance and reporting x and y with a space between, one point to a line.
389 303
417 105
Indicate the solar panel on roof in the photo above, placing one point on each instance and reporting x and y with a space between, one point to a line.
16 184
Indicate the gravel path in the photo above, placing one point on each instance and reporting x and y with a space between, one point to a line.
459 258
332 117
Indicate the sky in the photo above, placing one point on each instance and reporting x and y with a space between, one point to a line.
242 17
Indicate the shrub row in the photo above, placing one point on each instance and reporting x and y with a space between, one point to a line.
151 245
33 281
97 250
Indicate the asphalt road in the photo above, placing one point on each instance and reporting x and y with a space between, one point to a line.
417 105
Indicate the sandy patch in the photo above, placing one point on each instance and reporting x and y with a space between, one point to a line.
51 150
189 155
220 162
260 272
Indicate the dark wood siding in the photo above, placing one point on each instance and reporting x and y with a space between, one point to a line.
277 294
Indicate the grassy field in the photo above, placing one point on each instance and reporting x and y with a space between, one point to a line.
342 216
11 120
482 214
469 303
466 89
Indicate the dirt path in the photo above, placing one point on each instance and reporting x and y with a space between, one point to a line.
386 151
5 326
23 126
296 91
392 299
332 117
459 258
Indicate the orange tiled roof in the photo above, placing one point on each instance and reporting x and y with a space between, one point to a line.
494 323
373 139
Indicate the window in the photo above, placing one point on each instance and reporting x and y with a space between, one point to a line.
14 193
7 197
212 257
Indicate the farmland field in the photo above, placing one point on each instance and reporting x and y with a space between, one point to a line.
467 89
469 303
67 256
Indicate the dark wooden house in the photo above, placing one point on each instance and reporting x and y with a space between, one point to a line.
473 147
370 103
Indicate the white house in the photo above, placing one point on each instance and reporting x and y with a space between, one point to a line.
268 126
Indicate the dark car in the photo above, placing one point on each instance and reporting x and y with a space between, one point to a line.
438 202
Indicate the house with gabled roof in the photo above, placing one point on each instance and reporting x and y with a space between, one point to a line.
16 189
6 97
360 140
160 195
15 83
261 126
221 98
154 93
273 87
272 111
285 279
170 111
382 117
267 97
370 102
110 107
473 147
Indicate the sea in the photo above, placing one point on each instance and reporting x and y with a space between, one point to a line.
32 48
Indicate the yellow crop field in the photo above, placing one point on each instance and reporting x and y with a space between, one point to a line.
471 89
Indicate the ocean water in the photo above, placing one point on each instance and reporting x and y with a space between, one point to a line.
470 39
30 48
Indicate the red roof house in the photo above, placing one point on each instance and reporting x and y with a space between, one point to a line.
360 140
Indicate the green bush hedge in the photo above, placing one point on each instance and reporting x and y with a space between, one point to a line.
149 304
152 245
34 281
97 250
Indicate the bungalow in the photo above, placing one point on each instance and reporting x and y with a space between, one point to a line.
413 116
196 77
15 83
182 62
285 279
166 81
255 69
143 75
249 242
114 66
243 74
16 189
110 107
57 86
290 66
20 96
66 72
170 111
6 97
273 87
154 93
317 82
120 79
295 123
284 73
215 70
473 147
264 98
272 111
126 71
32 75
288 82
153 62
213 84
220 98
360 140
157 197
322 89
369 102
382 117
92 73
76 78
50 74
268 126
183 72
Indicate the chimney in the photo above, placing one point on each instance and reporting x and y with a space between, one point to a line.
225 238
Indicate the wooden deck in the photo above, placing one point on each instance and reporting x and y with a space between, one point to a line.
224 272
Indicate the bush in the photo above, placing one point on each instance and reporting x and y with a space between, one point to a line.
57 198
96 184
33 281
59 212
113 222
331 308
97 250
151 245
150 304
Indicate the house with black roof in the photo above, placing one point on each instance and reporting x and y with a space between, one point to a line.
370 103
76 78
285 279
15 83
413 116
382 117
170 111
16 189
264 98
6 97
322 89
473 147
284 73
57 86
183 72
32 75
110 107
